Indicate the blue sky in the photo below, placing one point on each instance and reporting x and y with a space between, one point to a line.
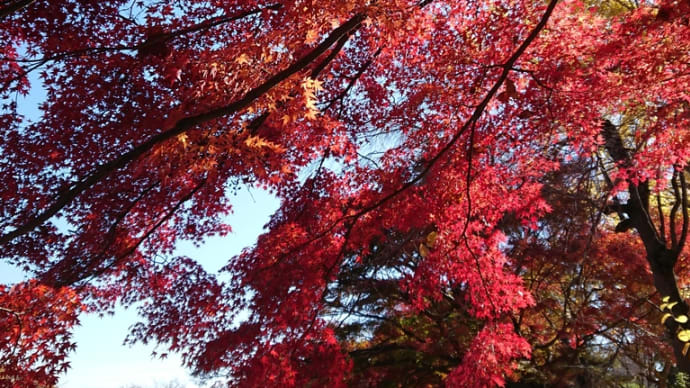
101 361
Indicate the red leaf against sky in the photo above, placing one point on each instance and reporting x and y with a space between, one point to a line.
370 121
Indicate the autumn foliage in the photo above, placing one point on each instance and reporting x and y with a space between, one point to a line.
487 191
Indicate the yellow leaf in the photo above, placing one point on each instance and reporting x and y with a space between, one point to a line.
681 319
684 335
423 250
183 139
311 114
665 317
242 59
685 348
431 239
259 142
666 299
266 58
317 85
312 85
312 36
310 104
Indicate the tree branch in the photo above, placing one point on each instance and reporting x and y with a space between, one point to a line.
90 273
12 8
149 42
684 211
478 111
662 227
674 211
181 126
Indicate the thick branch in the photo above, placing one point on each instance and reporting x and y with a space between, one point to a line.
637 207
662 227
258 121
180 127
674 210
478 111
684 211
12 8
661 259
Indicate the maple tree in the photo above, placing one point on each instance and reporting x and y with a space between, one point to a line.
586 328
372 122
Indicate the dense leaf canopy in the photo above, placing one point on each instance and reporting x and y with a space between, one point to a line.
473 191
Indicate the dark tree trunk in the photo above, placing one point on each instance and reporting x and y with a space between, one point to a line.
665 283
661 258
